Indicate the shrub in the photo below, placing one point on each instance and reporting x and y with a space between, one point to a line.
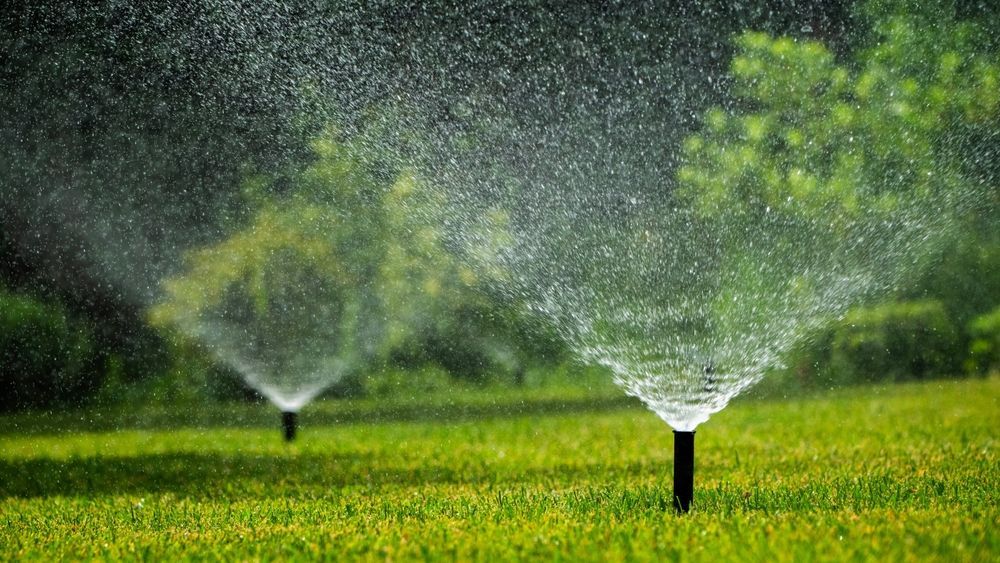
894 342
46 358
398 382
984 349
889 342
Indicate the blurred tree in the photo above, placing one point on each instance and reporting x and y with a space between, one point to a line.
821 139
439 310
47 358
285 299
984 350
906 131
895 342
343 262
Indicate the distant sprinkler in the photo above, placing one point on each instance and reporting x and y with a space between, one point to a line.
289 421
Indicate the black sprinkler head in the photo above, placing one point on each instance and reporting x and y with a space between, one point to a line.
289 421
683 470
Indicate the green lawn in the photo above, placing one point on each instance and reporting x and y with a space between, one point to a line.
905 472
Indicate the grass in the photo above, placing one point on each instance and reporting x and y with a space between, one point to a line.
906 472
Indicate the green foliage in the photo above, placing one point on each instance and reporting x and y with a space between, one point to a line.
901 132
439 310
46 358
900 473
261 265
966 277
191 380
395 382
894 341
285 300
348 258
823 139
984 350
424 287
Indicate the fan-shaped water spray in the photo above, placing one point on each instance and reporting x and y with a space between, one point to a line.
690 291
275 304
687 312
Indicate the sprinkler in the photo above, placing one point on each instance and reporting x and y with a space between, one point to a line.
683 470
289 421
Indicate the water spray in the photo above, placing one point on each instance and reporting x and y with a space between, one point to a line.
683 470
289 421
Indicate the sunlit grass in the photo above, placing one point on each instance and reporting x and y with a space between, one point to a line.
899 472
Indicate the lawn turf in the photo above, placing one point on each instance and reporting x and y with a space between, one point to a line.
903 472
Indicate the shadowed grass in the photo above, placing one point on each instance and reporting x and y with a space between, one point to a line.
901 472
452 407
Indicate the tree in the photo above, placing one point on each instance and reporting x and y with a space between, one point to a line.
284 301
818 138
343 269
844 176
47 358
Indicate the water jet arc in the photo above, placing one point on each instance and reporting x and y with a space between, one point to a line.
289 422
683 470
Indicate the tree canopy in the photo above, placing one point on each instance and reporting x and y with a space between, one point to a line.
911 117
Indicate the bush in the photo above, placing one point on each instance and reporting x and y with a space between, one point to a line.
192 378
397 382
890 342
46 358
984 349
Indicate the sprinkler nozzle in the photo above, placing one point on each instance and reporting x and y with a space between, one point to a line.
289 421
683 470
